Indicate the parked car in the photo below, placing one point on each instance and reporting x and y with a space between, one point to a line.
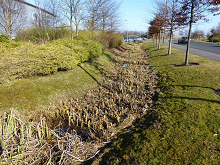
130 39
183 40
137 39
126 39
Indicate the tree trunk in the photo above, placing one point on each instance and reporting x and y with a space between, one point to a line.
170 42
9 25
77 24
153 39
71 19
77 33
103 21
212 38
171 29
71 26
159 39
156 38
189 34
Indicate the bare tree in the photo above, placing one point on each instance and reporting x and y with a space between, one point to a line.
94 13
191 11
12 16
215 9
43 18
110 18
167 11
115 22
197 34
162 13
158 24
173 9
154 29
54 7
218 31
74 12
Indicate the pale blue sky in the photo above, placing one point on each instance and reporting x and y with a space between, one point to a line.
139 13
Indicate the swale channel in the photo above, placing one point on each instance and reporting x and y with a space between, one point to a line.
125 94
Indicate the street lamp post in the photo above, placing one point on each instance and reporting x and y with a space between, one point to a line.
140 30
127 30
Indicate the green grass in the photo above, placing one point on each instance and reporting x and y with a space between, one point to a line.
184 126
27 95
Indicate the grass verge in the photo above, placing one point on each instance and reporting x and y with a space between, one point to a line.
184 126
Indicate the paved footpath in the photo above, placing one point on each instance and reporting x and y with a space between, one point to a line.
206 50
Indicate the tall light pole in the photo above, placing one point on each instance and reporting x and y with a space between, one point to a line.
127 30
140 30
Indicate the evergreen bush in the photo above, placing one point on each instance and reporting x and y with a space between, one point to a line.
4 38
215 39
31 59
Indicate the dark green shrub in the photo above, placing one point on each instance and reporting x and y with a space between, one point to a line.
7 43
215 39
85 49
34 39
4 38
31 59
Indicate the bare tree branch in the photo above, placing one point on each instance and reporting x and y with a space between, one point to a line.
12 15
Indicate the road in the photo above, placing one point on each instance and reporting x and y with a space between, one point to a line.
206 50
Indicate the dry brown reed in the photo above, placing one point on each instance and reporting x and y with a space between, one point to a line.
75 129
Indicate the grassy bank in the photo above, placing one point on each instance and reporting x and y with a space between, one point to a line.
184 126
34 93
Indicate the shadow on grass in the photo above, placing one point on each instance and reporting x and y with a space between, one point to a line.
149 48
192 98
192 86
100 69
155 56
122 49
168 54
110 57
89 74
216 91
159 49
184 65
153 66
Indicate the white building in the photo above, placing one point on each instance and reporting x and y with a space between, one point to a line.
16 15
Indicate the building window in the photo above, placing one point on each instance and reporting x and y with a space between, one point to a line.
35 16
11 11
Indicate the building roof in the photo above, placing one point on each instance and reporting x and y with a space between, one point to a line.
34 6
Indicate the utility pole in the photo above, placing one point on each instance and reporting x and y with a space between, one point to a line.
127 30
140 30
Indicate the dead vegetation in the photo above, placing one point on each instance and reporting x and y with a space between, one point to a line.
75 129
